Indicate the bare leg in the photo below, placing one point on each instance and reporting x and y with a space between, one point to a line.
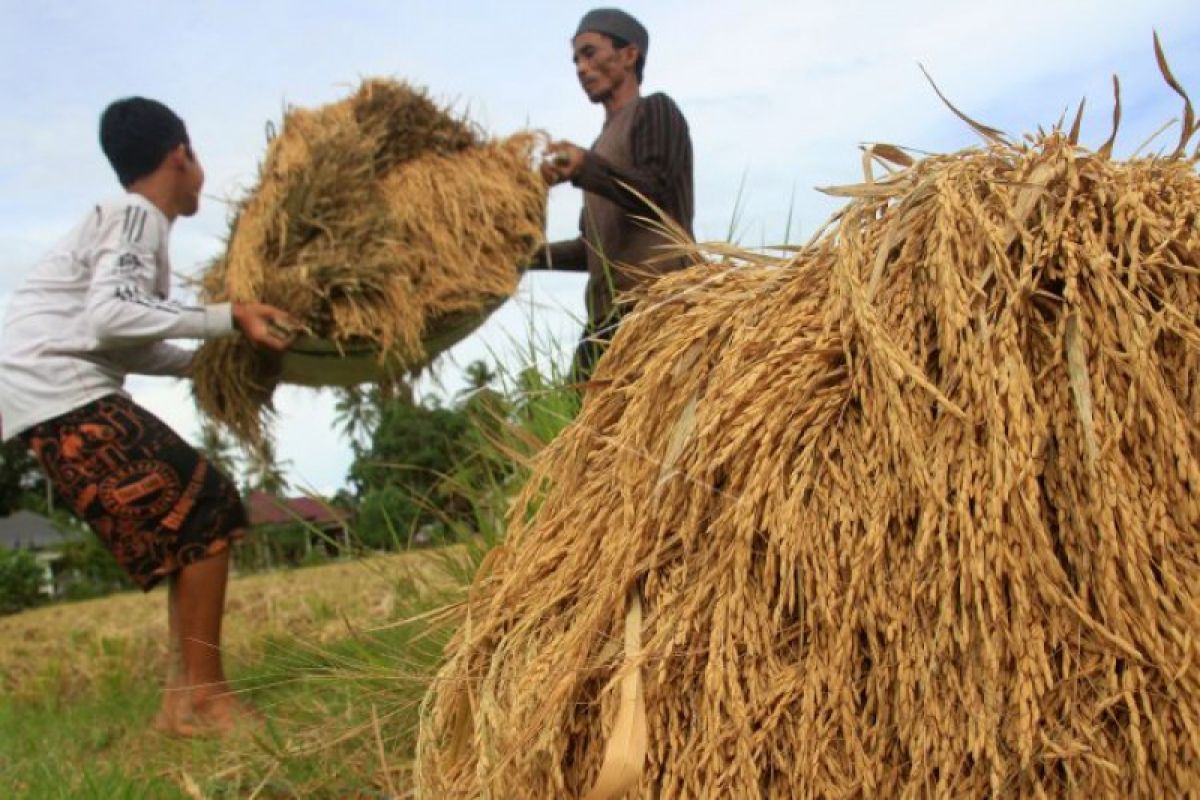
200 606
176 710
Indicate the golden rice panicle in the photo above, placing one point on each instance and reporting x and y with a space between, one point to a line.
241 399
379 221
439 206
406 124
913 513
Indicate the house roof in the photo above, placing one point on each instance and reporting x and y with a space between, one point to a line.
267 509
26 530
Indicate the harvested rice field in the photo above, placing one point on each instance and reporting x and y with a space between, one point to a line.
66 648
317 650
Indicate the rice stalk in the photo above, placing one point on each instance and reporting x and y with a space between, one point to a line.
914 512
379 222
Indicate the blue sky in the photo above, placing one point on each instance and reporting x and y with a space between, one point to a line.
778 96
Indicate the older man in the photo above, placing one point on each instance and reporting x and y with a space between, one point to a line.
639 165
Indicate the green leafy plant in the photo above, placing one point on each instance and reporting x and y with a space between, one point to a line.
20 581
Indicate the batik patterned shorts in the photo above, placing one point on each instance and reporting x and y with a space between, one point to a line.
154 501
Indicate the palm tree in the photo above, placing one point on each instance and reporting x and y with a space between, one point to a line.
264 472
357 413
217 448
479 376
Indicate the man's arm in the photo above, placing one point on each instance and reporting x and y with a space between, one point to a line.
123 305
125 308
158 358
569 255
661 149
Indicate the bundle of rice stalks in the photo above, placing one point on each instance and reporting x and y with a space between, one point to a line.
913 513
385 225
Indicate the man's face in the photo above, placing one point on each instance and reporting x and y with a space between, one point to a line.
602 68
191 181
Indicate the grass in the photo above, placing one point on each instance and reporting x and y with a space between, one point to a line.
65 649
61 749
318 649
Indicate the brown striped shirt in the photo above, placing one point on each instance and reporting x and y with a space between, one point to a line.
646 147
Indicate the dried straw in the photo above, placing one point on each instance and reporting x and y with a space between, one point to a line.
913 513
377 221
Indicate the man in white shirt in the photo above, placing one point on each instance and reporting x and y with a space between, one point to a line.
93 310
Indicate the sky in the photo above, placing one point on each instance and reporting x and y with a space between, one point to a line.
778 97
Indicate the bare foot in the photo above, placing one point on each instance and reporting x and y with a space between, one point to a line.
222 713
212 714
175 721
175 715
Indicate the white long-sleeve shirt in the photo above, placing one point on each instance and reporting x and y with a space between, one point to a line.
93 310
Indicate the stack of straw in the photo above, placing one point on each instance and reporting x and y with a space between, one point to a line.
378 221
913 513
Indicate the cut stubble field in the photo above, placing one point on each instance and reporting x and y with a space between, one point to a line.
324 652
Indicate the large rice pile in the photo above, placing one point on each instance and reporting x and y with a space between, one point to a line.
915 512
377 221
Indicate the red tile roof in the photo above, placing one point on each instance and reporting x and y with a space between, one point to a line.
266 509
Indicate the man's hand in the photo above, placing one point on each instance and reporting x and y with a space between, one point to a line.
562 163
265 326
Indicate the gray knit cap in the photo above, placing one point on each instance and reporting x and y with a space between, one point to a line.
615 22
